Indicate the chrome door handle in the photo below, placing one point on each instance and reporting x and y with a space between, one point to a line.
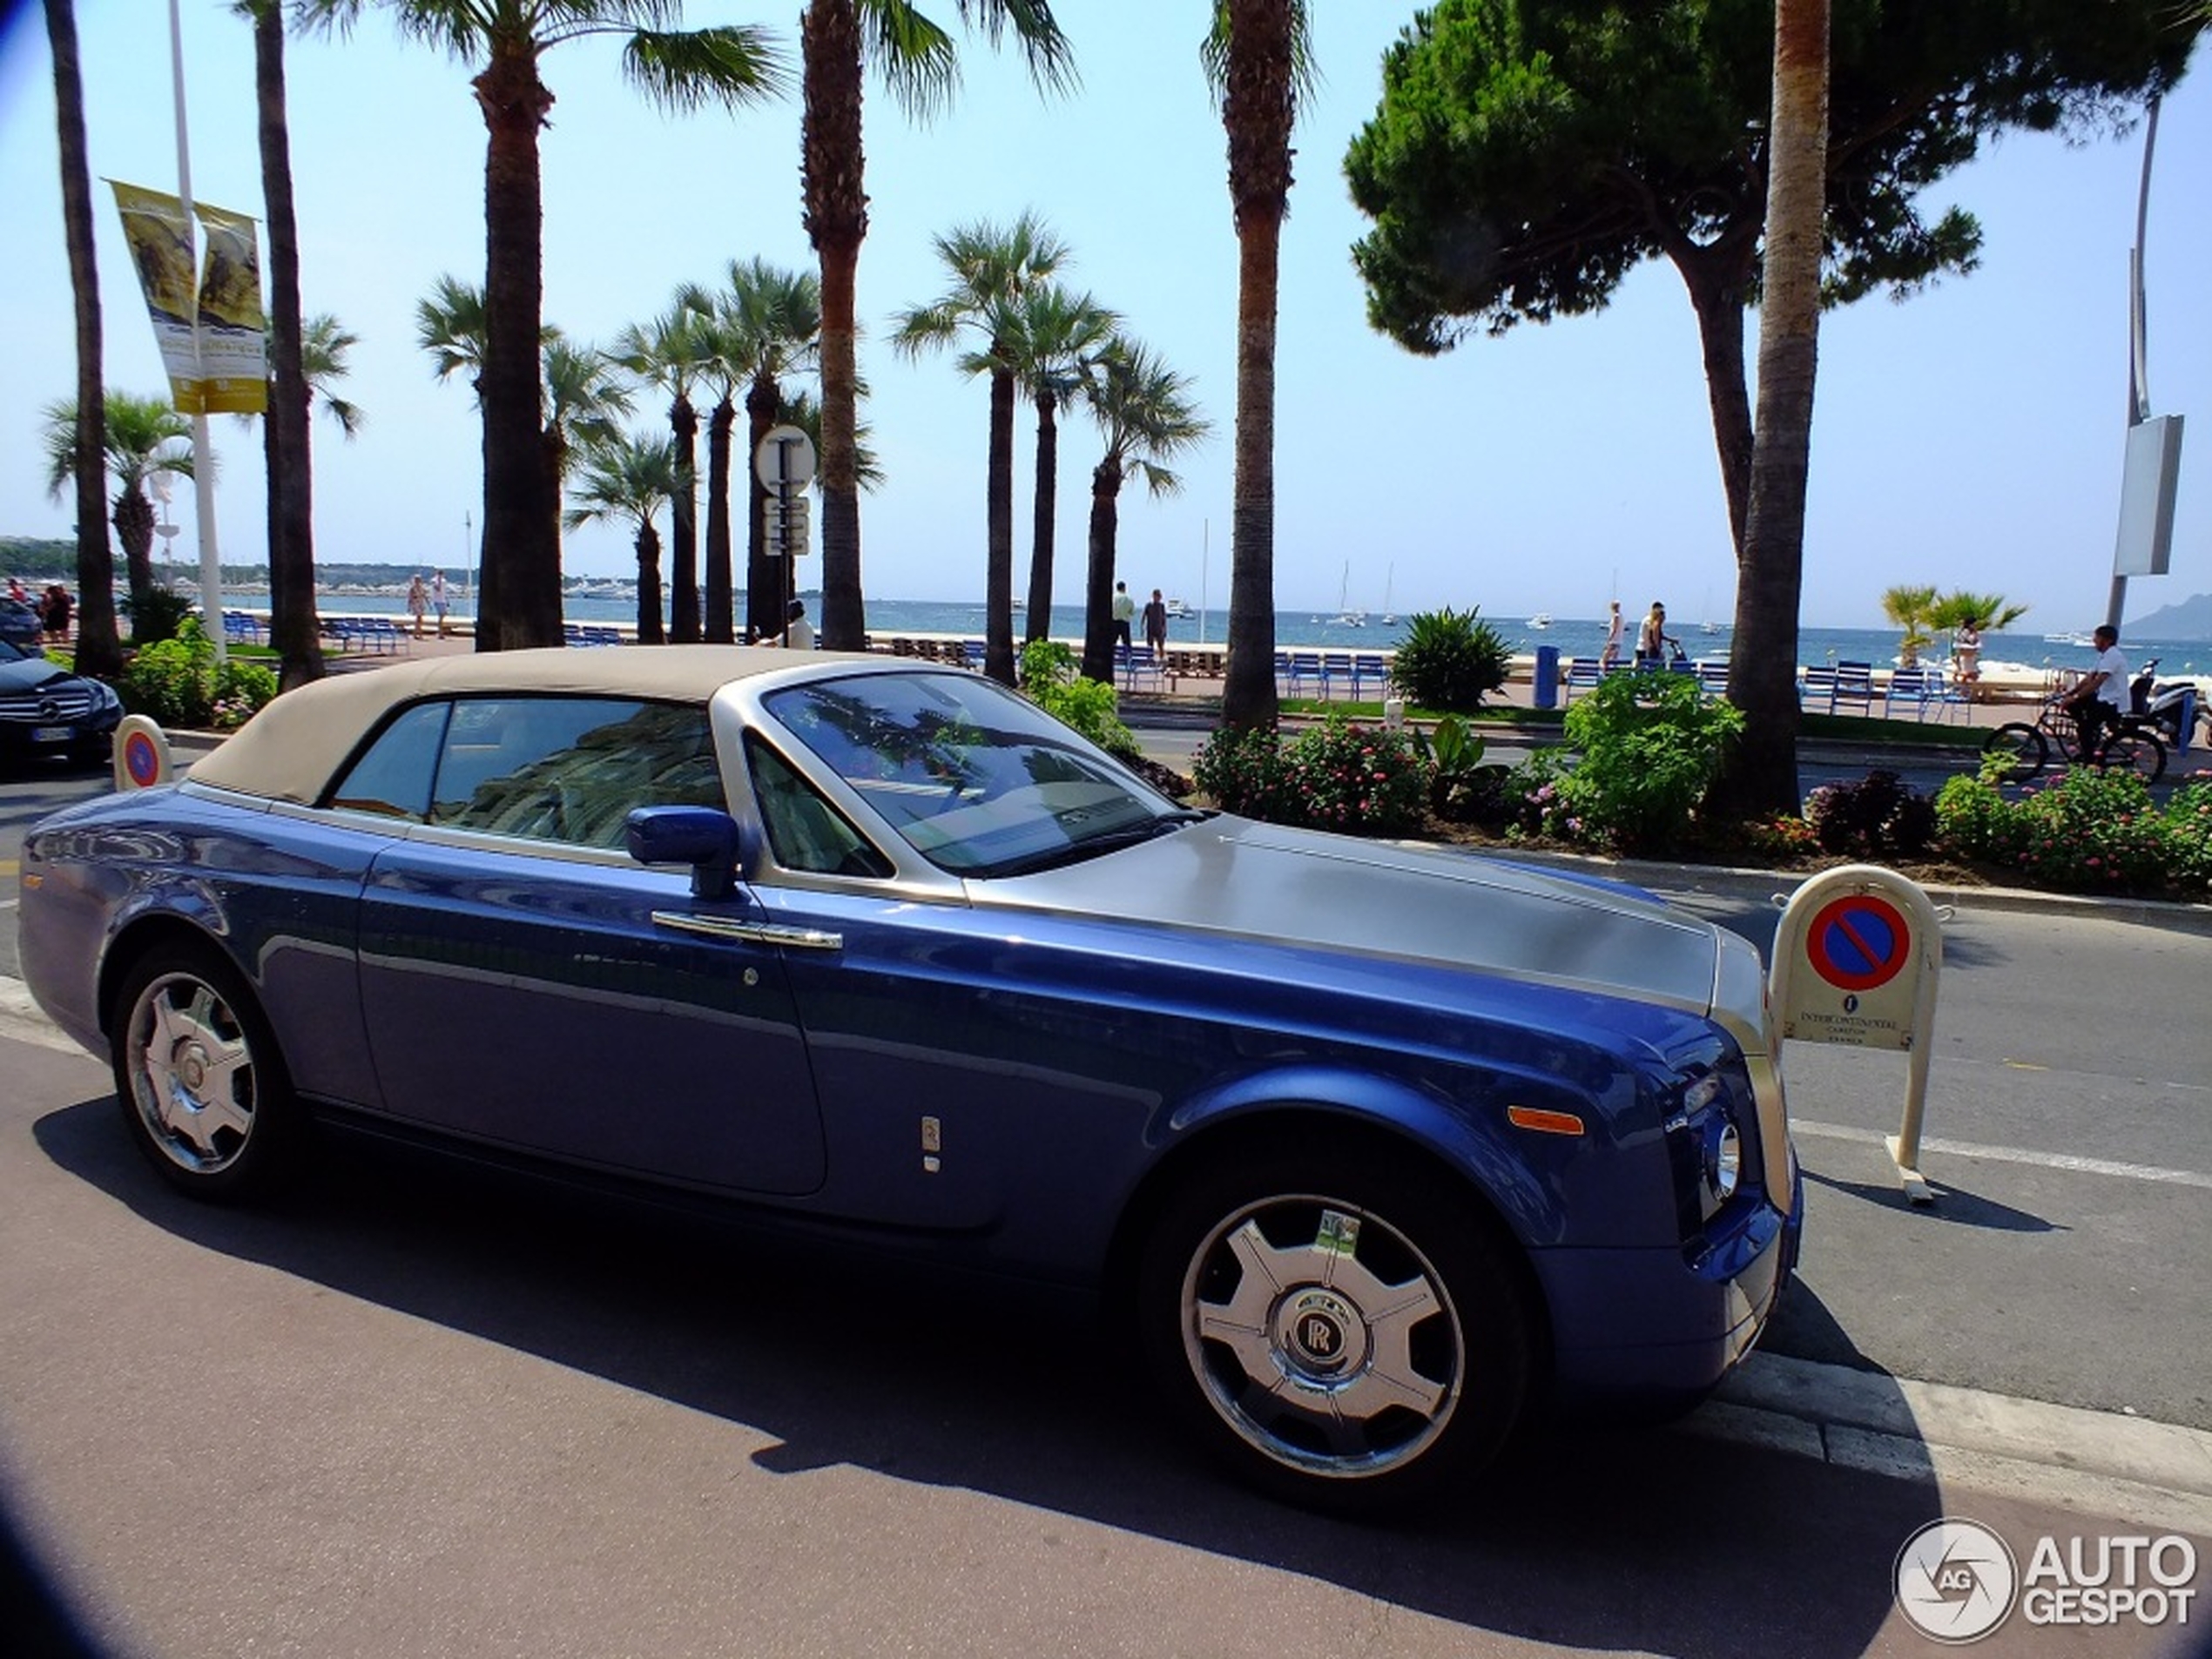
758 933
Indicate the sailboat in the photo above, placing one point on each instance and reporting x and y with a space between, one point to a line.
1346 617
1390 579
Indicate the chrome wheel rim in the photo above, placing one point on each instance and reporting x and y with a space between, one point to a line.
1323 1337
191 1073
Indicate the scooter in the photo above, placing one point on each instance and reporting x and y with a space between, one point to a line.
2167 709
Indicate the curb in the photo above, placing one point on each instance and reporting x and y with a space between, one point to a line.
2156 1474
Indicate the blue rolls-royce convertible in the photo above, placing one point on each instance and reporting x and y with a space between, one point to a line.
1373 1147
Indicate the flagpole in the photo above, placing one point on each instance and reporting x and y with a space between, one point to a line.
203 457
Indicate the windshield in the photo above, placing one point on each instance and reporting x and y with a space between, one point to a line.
976 780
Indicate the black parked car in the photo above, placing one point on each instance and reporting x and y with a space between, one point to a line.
45 710
20 624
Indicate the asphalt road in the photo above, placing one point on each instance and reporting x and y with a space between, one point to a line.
411 1410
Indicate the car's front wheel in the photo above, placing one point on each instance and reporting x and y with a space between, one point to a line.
1342 1329
199 1076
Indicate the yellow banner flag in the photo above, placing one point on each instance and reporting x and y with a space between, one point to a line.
211 332
160 242
233 348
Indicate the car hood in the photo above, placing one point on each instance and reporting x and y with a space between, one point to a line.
1307 888
31 674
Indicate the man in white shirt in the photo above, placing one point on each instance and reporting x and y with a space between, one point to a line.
798 633
2099 698
1125 613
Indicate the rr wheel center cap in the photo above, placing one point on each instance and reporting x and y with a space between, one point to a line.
1321 1334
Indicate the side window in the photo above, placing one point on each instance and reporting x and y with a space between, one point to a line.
570 769
805 831
392 776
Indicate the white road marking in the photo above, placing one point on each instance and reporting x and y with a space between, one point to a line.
2018 1155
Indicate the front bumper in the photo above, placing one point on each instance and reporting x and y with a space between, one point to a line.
1660 1327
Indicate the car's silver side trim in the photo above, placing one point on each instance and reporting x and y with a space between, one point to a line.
758 932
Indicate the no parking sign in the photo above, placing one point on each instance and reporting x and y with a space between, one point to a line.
1855 962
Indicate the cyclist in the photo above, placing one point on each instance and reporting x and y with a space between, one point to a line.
2099 697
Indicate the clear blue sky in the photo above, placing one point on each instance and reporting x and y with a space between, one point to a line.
1971 437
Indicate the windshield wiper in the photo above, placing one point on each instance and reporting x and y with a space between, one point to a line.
1112 841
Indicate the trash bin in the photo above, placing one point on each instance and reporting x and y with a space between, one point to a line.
1546 676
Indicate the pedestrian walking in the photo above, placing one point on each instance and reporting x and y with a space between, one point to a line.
440 602
418 601
1156 623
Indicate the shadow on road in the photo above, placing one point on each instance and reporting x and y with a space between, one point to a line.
1588 1535
1956 1206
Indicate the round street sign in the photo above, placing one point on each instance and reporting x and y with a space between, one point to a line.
785 456
1858 942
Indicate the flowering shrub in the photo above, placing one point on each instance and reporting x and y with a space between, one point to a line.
1879 817
1243 770
1785 837
178 683
1364 780
1651 746
2088 831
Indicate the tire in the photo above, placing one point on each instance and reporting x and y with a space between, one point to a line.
199 1077
1342 1330
2024 747
2137 751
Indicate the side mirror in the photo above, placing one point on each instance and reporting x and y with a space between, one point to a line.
706 838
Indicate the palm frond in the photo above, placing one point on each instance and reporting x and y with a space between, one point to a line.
733 65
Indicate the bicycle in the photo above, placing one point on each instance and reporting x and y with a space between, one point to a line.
2129 745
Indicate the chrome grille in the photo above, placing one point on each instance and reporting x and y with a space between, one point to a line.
65 702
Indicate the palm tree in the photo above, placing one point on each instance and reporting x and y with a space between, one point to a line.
100 649
1060 334
1256 57
629 478
771 328
450 325
286 447
993 271
916 59
1145 410
1760 775
325 344
585 397
145 436
674 353
1913 610
732 65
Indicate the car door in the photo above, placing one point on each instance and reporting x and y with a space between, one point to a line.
525 983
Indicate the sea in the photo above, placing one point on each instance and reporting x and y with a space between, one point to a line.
1316 630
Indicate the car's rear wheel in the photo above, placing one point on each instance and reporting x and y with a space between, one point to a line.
1341 1329
199 1077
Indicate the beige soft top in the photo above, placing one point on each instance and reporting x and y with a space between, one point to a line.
288 749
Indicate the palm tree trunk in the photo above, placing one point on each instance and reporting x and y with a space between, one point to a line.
134 528
1256 109
292 624
1041 547
1098 577
519 602
1719 280
100 648
837 221
1762 776
998 555
649 631
683 596
719 624
764 581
